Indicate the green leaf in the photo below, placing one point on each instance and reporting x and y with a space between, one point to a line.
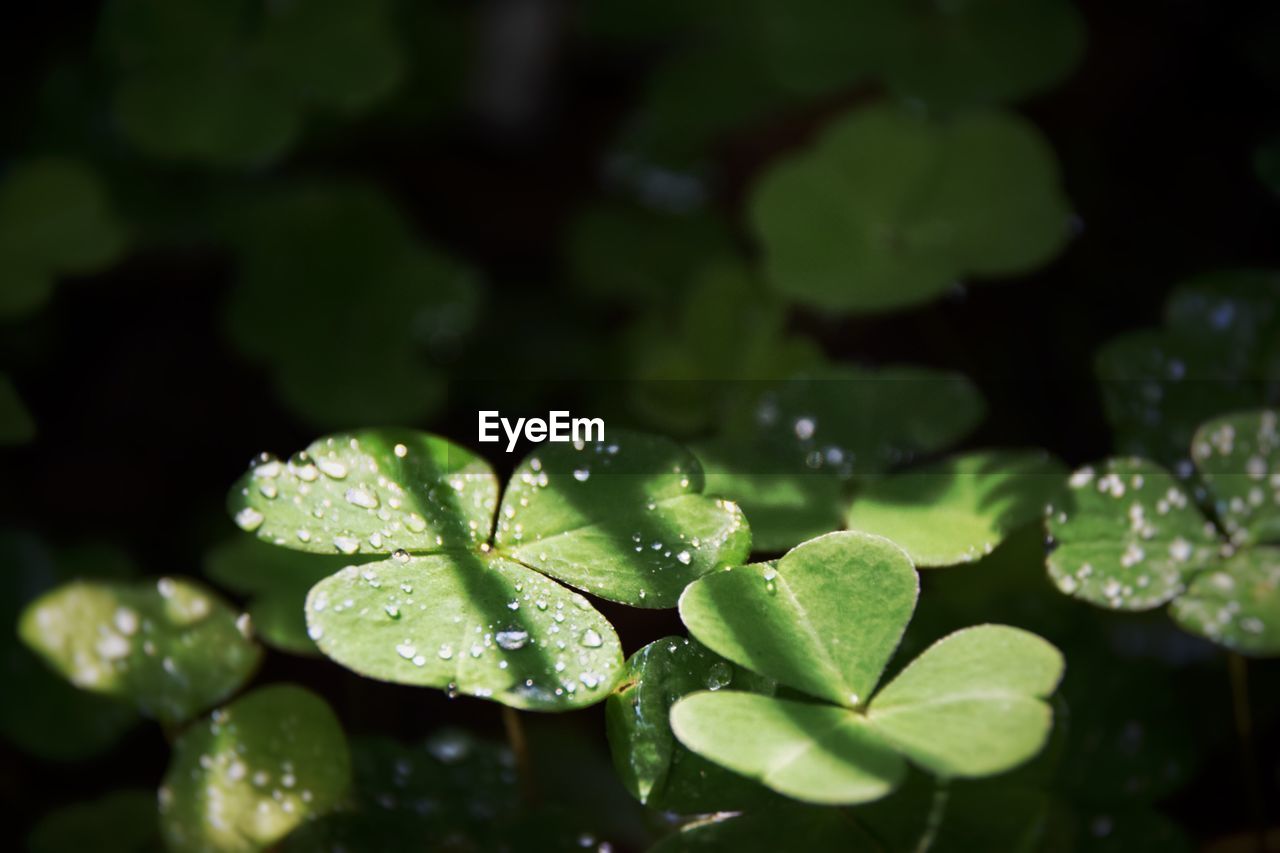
653 765
228 84
1214 355
786 451
170 646
960 509
624 519
1236 603
972 703
1239 459
815 753
55 219
277 581
484 626
369 492
294 309
1127 537
245 777
791 622
16 425
120 822
888 210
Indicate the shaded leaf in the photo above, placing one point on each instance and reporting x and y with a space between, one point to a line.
889 210
55 220
1127 537
815 753
16 425
123 821
170 647
792 827
791 622
485 626
653 765
960 509
245 777
971 704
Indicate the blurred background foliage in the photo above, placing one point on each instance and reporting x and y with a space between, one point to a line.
229 225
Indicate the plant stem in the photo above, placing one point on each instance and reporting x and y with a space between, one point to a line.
937 810
1237 667
520 749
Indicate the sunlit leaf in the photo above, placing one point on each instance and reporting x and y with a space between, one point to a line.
170 646
55 220
229 84
124 821
960 509
814 753
246 776
790 622
1127 536
1236 603
971 704
343 355
889 210
1239 459
653 765
481 625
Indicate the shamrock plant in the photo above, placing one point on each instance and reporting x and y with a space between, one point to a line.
823 622
1129 536
891 209
464 593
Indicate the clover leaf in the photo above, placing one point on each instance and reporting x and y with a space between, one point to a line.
1130 537
232 83
654 766
169 646
1214 354
889 209
960 509
825 622
790 449
122 821
295 310
248 774
55 220
462 603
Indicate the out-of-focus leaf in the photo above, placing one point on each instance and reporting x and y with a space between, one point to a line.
246 776
55 220
786 452
277 581
228 83
170 646
960 509
1127 536
16 425
889 210
1236 604
344 354
120 822
653 765
790 827
1238 458
1266 163
1216 354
